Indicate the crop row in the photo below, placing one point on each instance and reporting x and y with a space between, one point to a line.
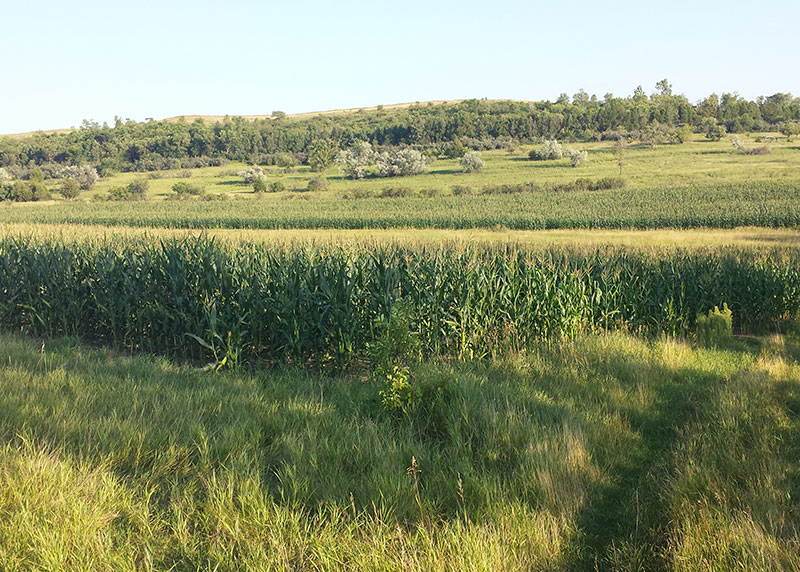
255 303
769 204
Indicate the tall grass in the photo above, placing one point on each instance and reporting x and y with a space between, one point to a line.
305 304
602 453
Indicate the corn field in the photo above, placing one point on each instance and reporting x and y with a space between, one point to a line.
322 305
767 204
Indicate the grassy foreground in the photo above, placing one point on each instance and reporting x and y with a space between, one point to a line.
607 453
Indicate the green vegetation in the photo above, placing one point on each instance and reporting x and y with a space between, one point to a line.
413 375
518 207
319 305
606 453
434 129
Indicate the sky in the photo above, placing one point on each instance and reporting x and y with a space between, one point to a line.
63 62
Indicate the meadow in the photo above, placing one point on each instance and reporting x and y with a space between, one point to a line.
606 452
696 184
474 381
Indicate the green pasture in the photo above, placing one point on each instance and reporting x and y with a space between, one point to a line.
696 163
606 453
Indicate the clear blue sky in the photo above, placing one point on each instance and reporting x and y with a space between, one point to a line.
68 61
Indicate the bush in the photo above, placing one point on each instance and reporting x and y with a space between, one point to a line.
430 193
402 163
550 149
252 174
259 185
318 184
321 154
85 175
136 190
70 189
608 183
715 132
395 192
139 187
716 328
577 158
5 176
454 149
460 190
355 161
20 191
471 162
276 187
39 192
183 188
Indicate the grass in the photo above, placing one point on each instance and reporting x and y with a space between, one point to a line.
608 453
696 163
696 184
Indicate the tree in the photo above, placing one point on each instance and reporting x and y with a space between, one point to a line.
138 188
20 192
577 158
664 87
550 149
85 175
402 163
39 191
471 162
715 131
70 189
355 161
321 154
790 129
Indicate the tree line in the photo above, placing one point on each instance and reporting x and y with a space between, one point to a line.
433 129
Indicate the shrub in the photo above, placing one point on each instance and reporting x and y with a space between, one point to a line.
318 184
401 163
471 162
321 154
577 158
183 188
70 189
608 183
39 191
136 190
355 161
252 174
454 149
460 190
395 192
715 132
5 176
259 185
85 175
276 187
20 191
716 328
430 193
550 149
139 187
790 129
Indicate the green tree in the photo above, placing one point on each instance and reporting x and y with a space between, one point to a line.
790 129
70 189
321 154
